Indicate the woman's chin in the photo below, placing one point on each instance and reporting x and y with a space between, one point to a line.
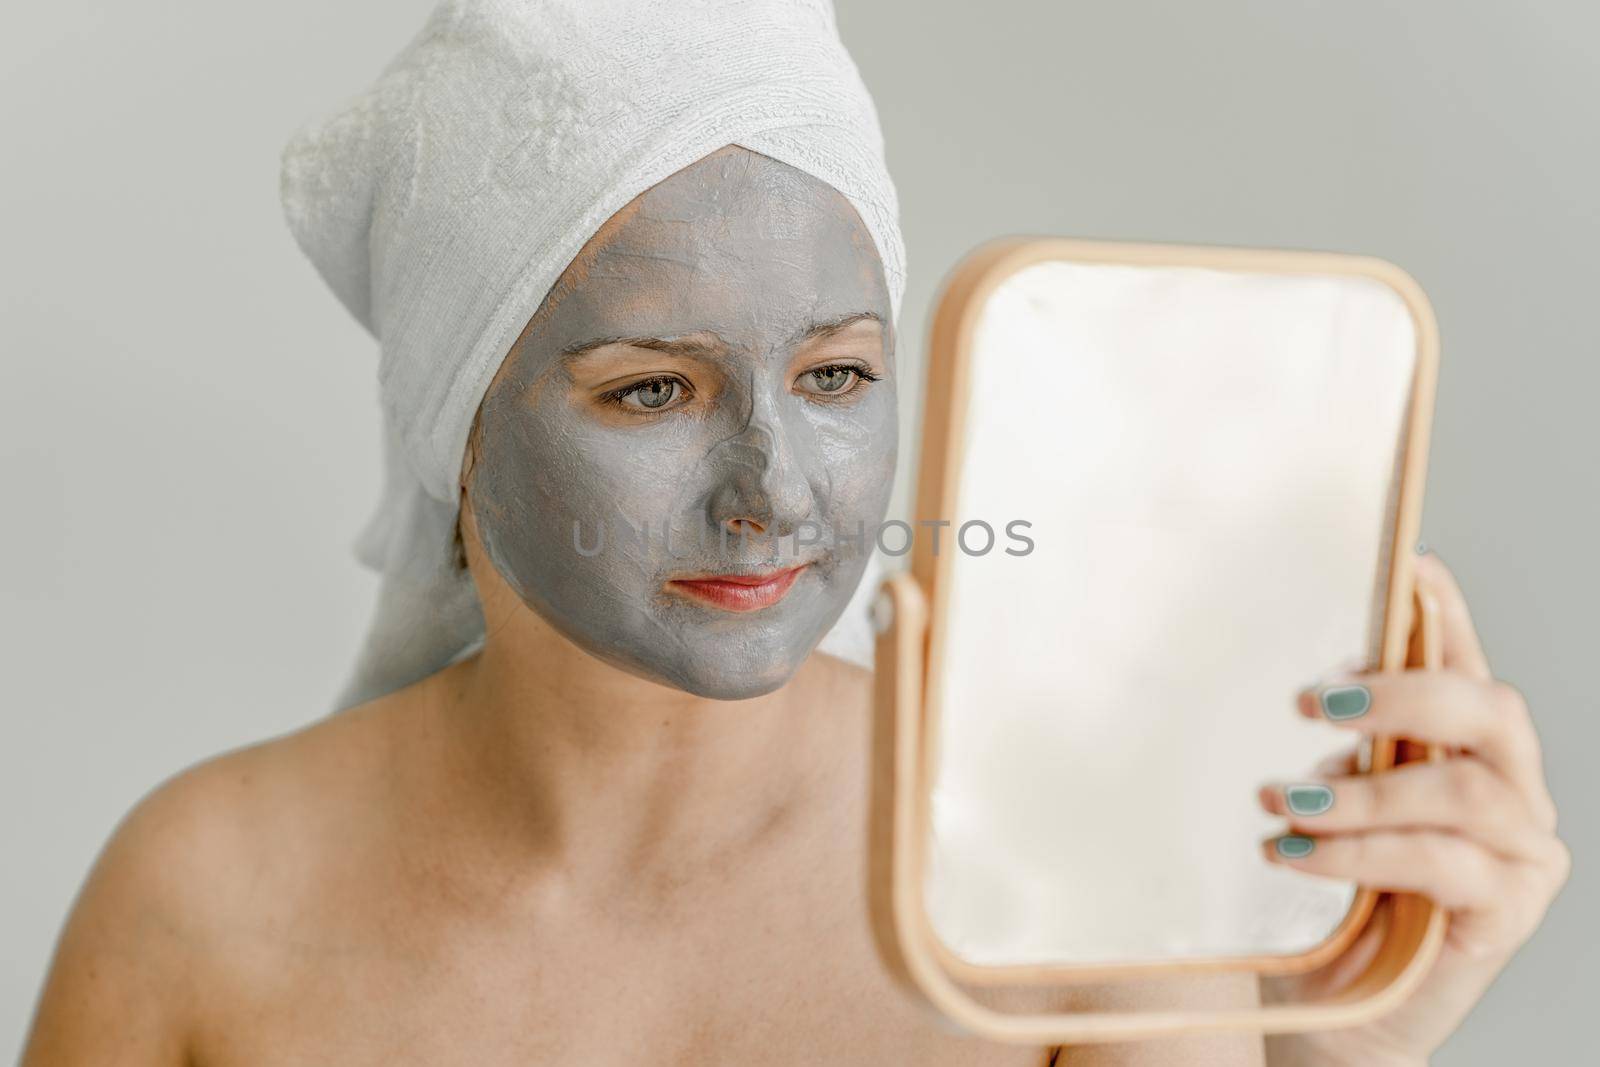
754 677
714 676
746 686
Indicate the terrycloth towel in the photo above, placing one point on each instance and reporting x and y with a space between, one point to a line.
443 203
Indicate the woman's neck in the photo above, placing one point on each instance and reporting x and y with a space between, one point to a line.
558 762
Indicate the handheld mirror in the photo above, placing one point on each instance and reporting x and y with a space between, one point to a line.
1162 489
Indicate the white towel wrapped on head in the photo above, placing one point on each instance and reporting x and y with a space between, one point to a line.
443 203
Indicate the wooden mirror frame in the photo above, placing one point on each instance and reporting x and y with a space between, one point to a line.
907 617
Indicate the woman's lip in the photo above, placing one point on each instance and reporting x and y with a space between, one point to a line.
739 592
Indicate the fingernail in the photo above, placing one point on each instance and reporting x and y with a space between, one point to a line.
1308 799
1294 846
1345 701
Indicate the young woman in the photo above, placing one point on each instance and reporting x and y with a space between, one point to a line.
626 824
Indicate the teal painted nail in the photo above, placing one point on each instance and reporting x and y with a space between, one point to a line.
1308 799
1346 701
1294 846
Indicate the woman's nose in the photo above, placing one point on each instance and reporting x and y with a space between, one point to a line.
762 488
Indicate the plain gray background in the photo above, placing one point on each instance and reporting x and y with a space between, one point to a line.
188 430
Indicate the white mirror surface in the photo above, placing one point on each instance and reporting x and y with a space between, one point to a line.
1209 461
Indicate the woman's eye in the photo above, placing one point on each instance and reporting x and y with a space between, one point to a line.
834 380
655 394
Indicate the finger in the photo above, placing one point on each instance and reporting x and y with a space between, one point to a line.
1453 871
1462 649
1443 707
1497 902
1339 764
1462 796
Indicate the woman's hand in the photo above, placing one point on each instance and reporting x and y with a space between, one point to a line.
1476 832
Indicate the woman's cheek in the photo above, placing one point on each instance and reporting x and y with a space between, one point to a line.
859 449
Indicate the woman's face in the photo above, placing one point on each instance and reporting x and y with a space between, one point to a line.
707 392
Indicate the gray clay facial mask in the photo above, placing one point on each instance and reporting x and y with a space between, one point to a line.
715 363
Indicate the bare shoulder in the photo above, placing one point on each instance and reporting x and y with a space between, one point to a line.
246 822
218 850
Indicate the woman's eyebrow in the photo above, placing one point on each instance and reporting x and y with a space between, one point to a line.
829 327
685 347
694 348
